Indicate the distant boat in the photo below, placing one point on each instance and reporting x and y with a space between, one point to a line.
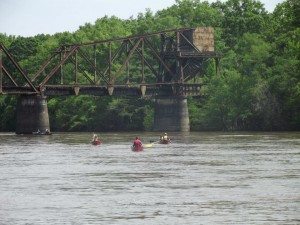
41 133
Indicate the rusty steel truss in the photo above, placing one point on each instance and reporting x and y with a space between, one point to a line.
161 63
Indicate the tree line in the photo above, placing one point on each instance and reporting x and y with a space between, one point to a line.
258 87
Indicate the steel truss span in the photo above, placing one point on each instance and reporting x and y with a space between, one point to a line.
166 63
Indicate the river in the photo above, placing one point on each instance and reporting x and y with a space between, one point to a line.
200 178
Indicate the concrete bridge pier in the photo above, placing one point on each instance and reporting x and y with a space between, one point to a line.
171 114
32 114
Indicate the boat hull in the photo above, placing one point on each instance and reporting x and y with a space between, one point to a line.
164 142
137 148
96 142
41 133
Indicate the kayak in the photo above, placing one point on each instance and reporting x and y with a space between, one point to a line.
165 142
96 142
137 148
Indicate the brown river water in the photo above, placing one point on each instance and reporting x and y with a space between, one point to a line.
200 178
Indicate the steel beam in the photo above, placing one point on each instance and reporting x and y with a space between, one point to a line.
1 72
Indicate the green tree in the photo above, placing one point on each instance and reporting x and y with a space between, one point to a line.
241 16
7 113
228 104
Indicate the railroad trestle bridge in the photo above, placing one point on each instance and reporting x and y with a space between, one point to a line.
164 65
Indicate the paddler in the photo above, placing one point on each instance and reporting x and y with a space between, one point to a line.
165 137
137 144
95 138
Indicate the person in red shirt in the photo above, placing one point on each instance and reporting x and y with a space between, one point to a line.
137 144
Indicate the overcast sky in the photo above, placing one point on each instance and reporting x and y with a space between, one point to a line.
31 17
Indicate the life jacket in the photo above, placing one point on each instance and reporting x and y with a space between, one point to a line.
137 143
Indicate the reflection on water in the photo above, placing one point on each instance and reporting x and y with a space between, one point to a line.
201 178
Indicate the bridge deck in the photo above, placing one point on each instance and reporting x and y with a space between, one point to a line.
160 89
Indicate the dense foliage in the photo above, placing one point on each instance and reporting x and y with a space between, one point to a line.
259 85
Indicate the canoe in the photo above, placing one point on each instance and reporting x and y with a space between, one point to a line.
137 148
41 133
165 142
148 145
96 142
